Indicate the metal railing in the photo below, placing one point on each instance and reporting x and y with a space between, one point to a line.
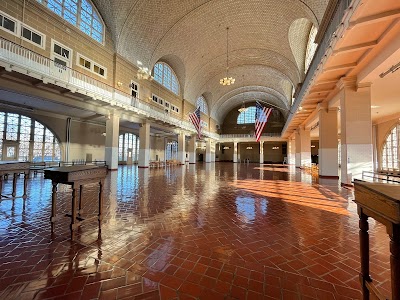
381 176
229 136
335 22
20 59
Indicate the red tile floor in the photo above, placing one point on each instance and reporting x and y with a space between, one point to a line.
208 231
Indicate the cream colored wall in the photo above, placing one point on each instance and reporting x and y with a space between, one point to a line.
157 147
86 138
382 130
274 156
54 27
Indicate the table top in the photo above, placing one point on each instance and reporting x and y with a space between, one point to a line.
11 162
388 190
68 169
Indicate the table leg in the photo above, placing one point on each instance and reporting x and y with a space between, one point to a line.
26 176
100 215
1 185
14 188
73 214
80 200
53 205
364 253
395 261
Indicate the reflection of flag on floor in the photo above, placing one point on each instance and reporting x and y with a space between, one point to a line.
195 119
262 114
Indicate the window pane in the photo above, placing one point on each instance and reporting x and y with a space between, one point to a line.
8 24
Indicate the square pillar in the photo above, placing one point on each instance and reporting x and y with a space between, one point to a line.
192 149
356 130
235 152
291 151
213 151
303 147
181 148
328 143
208 151
144 150
261 152
112 142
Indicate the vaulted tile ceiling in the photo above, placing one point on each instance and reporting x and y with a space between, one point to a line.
267 44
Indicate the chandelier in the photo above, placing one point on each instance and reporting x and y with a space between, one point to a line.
143 72
227 80
243 107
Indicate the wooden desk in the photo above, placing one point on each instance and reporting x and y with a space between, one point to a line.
76 176
15 168
380 201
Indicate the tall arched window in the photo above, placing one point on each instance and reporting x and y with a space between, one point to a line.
248 116
201 102
24 139
128 147
80 13
171 151
391 151
164 75
311 48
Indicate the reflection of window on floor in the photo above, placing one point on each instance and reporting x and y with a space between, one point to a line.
35 141
391 153
248 208
171 151
127 141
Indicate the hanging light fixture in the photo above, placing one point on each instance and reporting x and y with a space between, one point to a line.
143 72
227 80
243 107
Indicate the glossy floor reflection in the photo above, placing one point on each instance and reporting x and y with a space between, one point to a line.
210 231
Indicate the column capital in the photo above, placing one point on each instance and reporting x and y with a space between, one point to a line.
347 82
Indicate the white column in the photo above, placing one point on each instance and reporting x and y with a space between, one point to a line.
303 147
213 151
328 143
181 147
112 136
356 130
261 152
235 152
208 151
192 149
144 150
291 151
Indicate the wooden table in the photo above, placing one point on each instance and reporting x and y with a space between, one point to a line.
76 176
15 168
380 201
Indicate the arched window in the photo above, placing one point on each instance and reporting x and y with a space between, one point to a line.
128 141
80 13
201 102
390 151
311 48
24 139
164 75
171 151
248 116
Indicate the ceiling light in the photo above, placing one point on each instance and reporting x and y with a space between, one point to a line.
226 148
275 148
227 80
249 148
144 73
375 106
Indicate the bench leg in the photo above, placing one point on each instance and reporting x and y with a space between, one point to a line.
1 185
53 205
100 215
364 253
73 214
26 176
395 261
80 211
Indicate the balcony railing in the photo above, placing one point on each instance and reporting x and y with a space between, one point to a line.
20 59
335 22
249 136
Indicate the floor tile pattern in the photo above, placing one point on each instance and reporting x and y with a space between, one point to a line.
212 231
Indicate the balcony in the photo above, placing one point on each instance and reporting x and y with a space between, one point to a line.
16 58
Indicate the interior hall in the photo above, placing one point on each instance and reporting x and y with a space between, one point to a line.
199 149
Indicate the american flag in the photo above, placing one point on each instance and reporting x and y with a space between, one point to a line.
262 114
195 119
